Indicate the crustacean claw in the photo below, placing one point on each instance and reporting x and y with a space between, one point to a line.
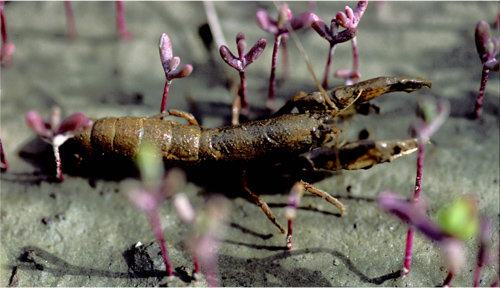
343 97
361 154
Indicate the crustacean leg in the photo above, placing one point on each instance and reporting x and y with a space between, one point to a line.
338 99
294 201
325 195
178 113
361 154
262 204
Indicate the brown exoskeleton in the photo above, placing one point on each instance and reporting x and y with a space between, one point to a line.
285 136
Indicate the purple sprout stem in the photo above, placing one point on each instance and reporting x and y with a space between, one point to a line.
477 274
479 100
416 197
210 266
196 264
328 64
57 155
291 210
289 234
7 48
70 20
165 94
120 22
355 56
447 280
272 77
482 254
420 170
243 94
206 247
3 160
408 251
5 38
156 225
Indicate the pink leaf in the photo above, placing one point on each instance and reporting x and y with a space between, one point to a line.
360 9
230 58
322 29
174 63
241 44
73 123
303 20
165 48
285 14
255 52
265 22
342 20
180 73
6 52
411 212
38 125
346 35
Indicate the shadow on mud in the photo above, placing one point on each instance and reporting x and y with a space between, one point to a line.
232 269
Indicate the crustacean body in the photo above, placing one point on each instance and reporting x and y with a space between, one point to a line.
284 137
280 136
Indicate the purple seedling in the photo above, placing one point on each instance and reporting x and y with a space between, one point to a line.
70 20
483 257
279 28
56 132
291 210
170 65
456 223
8 48
155 189
206 228
206 231
4 166
206 235
187 214
350 20
241 62
120 22
487 48
332 35
431 115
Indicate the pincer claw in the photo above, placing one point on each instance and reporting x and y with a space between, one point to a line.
361 154
341 98
345 96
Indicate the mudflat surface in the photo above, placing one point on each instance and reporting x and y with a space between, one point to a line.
90 224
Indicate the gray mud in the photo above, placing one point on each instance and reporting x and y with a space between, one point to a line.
80 232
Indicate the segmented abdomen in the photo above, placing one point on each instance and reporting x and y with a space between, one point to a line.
123 137
275 137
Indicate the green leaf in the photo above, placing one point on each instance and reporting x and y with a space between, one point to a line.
150 165
460 218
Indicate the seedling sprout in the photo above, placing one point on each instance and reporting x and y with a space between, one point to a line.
457 222
431 115
56 132
8 48
280 30
350 20
487 48
241 62
170 65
